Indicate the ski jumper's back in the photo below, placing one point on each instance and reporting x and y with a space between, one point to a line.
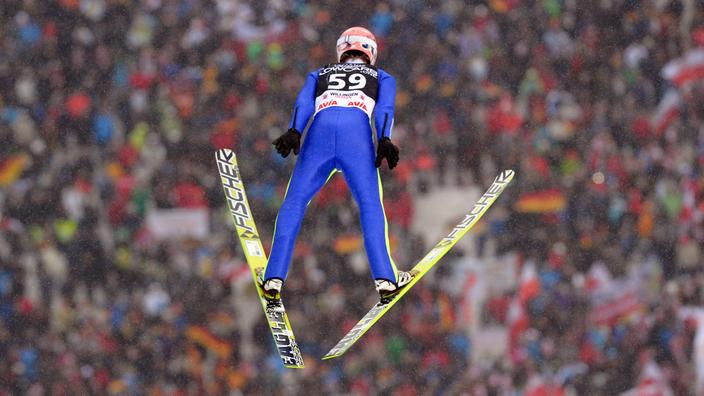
343 99
347 85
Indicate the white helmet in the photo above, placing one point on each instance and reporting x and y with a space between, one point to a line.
357 39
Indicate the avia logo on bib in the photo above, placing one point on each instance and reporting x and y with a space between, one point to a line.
327 104
334 98
354 103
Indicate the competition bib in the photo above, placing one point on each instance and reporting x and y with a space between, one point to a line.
347 85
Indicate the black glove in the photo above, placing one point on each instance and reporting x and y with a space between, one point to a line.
291 140
386 150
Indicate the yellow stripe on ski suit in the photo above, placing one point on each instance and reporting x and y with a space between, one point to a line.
386 224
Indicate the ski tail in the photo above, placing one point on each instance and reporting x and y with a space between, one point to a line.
425 264
246 229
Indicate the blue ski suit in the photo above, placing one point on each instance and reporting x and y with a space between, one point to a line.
342 98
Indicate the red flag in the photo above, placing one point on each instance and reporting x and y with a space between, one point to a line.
517 321
537 386
668 109
529 284
685 69
652 382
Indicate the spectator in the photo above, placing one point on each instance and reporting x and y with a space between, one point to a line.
110 110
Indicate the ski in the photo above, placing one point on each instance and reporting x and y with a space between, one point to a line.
425 264
256 257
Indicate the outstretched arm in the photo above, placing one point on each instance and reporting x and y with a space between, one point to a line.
305 105
385 102
384 120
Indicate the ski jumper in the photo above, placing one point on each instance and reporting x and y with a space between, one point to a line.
342 98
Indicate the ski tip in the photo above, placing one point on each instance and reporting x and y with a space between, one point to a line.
224 155
328 357
294 367
505 176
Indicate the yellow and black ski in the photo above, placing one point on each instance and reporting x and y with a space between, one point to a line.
256 257
425 264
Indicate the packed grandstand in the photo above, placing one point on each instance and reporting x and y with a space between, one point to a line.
120 273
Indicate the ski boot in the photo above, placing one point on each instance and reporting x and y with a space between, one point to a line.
388 289
270 287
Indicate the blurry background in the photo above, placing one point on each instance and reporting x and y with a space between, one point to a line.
120 272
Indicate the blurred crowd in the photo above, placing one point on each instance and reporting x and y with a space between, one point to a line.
112 109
